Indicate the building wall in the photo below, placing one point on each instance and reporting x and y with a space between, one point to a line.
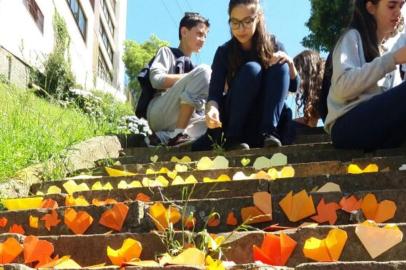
20 35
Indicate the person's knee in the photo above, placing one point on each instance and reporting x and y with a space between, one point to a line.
280 69
203 72
251 69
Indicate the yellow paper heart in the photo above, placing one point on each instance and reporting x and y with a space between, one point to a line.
245 162
279 159
54 190
71 187
355 169
146 182
220 163
115 172
262 163
183 160
204 163
190 180
99 186
154 158
285 172
221 178
172 174
178 181
181 168
22 203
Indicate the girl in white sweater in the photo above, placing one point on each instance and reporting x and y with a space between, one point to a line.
366 102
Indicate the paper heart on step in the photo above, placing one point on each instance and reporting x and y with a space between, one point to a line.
279 159
99 186
79 201
162 217
298 206
54 190
124 185
262 163
350 204
51 220
154 158
241 176
328 249
36 250
9 250
114 218
78 222
378 212
378 240
181 168
261 211
245 162
115 172
16 204
221 178
355 169
71 187
130 250
275 250
285 172
218 163
329 187
185 159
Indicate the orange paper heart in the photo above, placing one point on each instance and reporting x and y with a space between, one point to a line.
114 218
162 217
49 203
142 197
105 202
16 228
78 222
9 250
274 250
350 204
36 250
3 222
298 206
378 212
231 219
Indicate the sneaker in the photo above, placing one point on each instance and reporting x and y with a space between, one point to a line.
271 141
237 146
152 140
180 140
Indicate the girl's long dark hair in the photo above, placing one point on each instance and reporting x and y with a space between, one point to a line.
310 67
366 25
262 42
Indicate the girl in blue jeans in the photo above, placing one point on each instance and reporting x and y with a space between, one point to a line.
366 100
251 76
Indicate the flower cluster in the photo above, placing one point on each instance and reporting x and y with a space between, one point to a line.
135 125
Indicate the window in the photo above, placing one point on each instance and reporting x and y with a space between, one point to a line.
106 41
107 15
35 13
102 69
79 16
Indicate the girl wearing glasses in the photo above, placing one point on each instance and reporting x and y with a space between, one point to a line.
251 76
366 100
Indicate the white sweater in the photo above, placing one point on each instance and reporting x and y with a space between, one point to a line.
354 80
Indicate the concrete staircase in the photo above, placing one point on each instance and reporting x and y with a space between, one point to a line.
315 163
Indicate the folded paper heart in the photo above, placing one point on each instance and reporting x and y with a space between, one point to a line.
378 240
261 211
285 172
154 158
378 212
245 162
184 160
329 187
105 202
71 187
355 169
49 204
279 159
180 181
298 206
231 219
61 263
162 217
22 203
241 176
16 228
3 222
129 251
218 163
78 222
275 250
124 185
99 186
221 178
54 190
181 168
79 201
171 174
189 257
350 204
114 218
326 212
143 197
115 172
36 250
262 163
9 250
328 249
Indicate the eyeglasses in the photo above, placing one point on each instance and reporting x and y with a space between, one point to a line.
246 23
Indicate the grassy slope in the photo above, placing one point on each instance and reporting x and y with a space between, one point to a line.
32 129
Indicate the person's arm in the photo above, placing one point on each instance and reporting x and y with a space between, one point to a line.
216 88
282 57
350 77
161 69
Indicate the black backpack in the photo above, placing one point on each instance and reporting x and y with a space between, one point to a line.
183 65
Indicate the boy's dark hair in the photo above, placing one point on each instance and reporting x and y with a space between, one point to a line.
190 20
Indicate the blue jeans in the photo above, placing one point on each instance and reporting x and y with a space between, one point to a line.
376 123
253 105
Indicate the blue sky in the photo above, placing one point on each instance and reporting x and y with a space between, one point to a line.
285 19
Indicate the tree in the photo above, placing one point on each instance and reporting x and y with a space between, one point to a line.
327 21
136 56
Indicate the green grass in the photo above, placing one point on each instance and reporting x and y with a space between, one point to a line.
33 130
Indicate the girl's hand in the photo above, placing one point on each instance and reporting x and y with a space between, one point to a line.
282 58
213 117
400 56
